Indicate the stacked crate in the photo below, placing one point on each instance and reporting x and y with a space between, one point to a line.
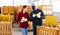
12 18
11 9
41 30
59 31
29 9
18 9
5 9
30 26
5 25
8 9
5 28
59 27
47 9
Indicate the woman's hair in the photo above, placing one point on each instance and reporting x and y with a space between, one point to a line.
23 7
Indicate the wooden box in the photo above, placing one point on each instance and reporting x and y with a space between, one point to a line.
11 9
19 8
41 30
29 9
8 9
12 18
5 28
30 26
5 9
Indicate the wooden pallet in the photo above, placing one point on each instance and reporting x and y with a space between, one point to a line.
5 28
46 31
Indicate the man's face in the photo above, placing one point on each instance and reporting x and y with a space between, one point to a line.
33 7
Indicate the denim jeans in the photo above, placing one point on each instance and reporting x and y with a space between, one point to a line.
24 31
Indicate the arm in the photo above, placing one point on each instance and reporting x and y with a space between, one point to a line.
18 18
27 19
31 17
42 16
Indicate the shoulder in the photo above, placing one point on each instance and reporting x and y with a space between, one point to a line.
27 13
19 13
39 9
31 13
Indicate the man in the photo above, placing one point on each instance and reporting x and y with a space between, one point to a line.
36 17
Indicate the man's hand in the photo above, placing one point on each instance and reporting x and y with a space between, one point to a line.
34 15
38 15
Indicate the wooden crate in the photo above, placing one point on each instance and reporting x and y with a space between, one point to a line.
59 27
12 18
59 31
41 30
18 8
30 26
8 9
47 9
11 9
29 9
40 7
5 9
5 28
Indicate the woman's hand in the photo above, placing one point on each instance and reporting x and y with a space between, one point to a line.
24 19
19 24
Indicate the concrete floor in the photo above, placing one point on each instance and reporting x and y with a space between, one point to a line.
16 31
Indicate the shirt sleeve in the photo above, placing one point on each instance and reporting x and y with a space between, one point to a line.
31 16
28 17
18 18
42 15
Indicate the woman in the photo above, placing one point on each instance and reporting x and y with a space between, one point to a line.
23 18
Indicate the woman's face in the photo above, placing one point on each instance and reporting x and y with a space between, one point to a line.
25 9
